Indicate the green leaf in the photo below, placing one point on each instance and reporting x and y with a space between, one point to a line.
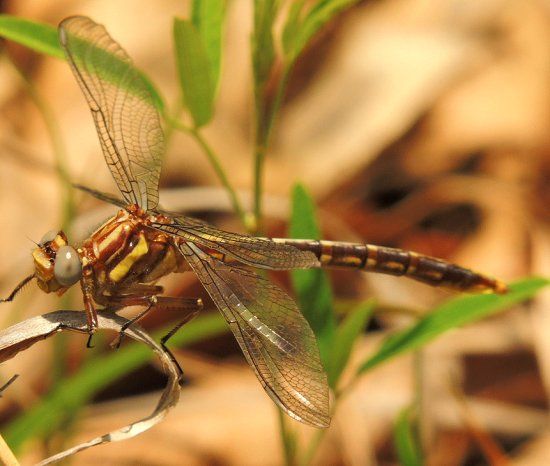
194 71
263 50
208 16
43 38
454 313
317 17
406 443
312 286
346 335
72 393
39 37
292 26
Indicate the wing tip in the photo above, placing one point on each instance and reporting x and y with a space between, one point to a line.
315 419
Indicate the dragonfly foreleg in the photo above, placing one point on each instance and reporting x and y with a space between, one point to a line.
87 286
17 289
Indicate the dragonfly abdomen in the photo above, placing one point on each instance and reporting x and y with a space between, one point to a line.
398 262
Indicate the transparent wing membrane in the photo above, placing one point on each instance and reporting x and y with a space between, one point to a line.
272 333
122 107
250 250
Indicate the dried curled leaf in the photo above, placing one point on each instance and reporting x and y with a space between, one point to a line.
25 334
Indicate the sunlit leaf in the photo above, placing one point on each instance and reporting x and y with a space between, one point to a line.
346 335
39 37
43 38
406 442
452 314
317 17
208 17
194 71
312 286
263 50
292 25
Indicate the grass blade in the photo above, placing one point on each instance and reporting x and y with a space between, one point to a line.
406 443
39 37
194 71
346 334
454 313
312 286
263 50
318 16
43 38
208 16
291 28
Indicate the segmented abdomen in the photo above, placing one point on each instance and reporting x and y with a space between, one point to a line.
426 269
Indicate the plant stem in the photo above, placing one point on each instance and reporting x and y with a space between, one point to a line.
264 127
288 439
419 408
312 448
58 147
220 172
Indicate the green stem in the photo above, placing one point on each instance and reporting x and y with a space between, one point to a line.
421 430
265 120
220 172
288 439
313 446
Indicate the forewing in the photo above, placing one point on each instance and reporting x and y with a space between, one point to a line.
272 333
250 250
122 106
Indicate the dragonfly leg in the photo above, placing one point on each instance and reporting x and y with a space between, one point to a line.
17 289
8 383
190 315
190 306
86 285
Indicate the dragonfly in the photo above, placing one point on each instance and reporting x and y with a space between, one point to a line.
119 264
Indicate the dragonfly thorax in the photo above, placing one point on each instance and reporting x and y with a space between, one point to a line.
57 265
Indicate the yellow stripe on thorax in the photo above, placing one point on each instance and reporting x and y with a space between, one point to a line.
122 268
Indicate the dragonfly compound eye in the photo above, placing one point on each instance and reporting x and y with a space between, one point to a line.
67 268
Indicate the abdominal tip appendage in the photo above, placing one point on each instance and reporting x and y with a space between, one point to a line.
500 287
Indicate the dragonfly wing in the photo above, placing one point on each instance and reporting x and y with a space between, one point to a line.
275 338
250 250
122 106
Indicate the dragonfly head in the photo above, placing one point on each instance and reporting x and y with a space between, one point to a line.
57 265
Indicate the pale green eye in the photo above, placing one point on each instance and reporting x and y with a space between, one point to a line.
67 268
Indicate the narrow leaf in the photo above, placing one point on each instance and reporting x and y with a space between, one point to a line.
292 26
346 334
43 38
194 71
39 37
319 15
405 440
208 16
312 286
452 314
263 50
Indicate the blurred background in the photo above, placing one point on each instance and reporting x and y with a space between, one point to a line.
421 124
